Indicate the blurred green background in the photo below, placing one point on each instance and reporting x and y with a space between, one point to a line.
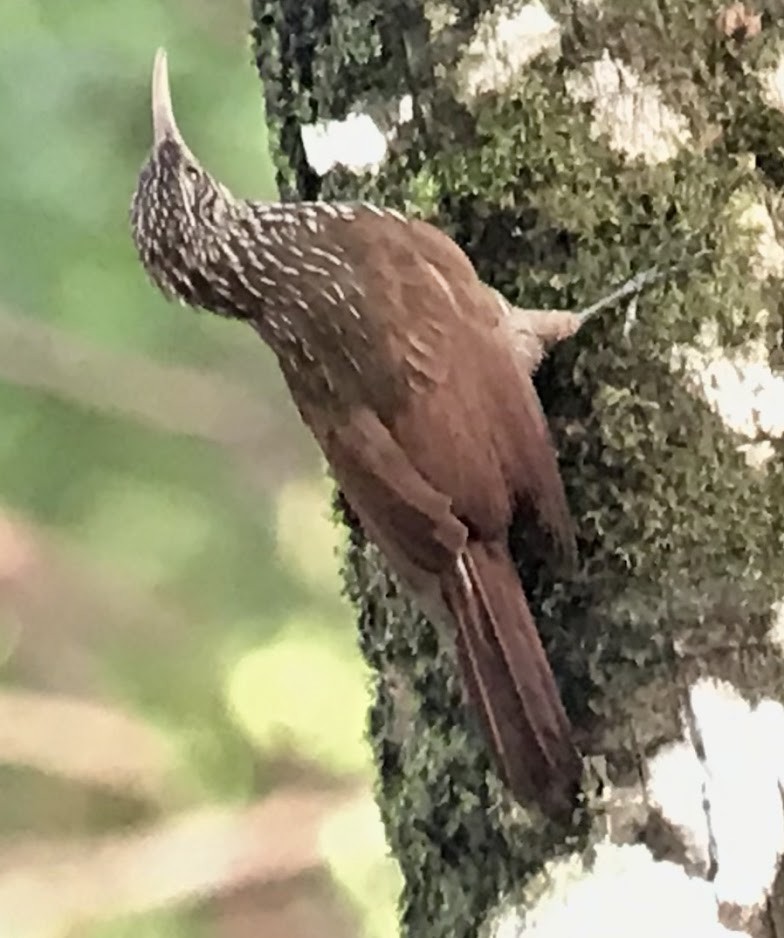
182 704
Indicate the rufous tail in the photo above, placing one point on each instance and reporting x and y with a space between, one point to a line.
509 680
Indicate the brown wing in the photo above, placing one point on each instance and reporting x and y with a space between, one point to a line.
409 520
502 661
472 425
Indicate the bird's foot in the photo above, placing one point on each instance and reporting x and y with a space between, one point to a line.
631 288
536 331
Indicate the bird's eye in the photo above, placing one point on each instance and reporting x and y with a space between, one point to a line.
192 173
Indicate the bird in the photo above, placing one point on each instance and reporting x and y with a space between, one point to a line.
415 379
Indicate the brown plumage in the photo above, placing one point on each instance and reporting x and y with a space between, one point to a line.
405 368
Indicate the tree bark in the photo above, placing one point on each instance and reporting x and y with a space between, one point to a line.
566 152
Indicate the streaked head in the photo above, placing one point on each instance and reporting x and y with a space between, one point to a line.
177 207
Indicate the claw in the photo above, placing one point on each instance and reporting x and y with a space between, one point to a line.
631 287
634 286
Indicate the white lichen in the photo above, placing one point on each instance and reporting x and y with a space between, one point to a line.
503 43
626 892
753 217
776 631
744 768
629 111
360 142
771 82
726 805
440 15
356 143
739 386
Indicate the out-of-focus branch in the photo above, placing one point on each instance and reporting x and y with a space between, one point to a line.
45 888
58 611
171 398
82 741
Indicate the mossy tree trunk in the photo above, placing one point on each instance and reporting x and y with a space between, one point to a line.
564 155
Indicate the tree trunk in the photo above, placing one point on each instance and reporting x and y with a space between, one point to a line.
565 154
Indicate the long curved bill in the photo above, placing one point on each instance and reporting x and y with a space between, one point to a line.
164 126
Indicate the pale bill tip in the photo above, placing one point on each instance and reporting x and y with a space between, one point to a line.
162 112
159 67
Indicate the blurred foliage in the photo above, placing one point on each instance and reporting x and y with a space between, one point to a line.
220 623
354 844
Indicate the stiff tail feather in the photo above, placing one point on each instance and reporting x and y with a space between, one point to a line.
508 678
